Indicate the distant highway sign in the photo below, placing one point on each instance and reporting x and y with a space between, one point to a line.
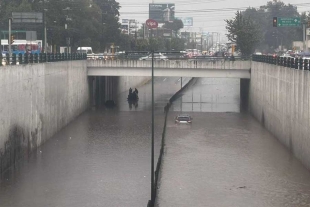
289 22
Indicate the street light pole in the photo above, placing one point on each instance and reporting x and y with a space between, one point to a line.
152 164
10 36
44 28
304 36
101 42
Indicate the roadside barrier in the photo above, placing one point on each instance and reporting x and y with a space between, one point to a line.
297 63
19 59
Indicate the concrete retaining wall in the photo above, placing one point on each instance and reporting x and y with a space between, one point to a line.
279 99
37 100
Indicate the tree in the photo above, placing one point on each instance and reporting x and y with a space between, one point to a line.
273 37
175 26
157 44
84 20
142 45
177 44
109 19
124 42
244 33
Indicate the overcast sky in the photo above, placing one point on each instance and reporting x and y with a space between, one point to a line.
207 21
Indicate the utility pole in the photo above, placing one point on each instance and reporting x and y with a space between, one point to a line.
304 36
10 36
307 24
101 42
143 26
307 42
136 31
153 127
44 28
201 43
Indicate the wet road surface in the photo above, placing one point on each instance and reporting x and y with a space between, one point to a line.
103 157
100 159
226 159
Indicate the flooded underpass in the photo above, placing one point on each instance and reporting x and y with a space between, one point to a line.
224 158
102 158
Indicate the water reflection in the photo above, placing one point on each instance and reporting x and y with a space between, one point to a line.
100 159
133 104
210 95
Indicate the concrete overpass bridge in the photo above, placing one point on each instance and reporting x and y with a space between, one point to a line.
173 68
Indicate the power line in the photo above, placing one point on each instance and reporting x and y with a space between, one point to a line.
197 1
217 9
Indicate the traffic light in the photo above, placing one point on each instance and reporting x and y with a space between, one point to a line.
275 22
12 39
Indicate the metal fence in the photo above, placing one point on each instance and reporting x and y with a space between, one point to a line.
19 59
290 62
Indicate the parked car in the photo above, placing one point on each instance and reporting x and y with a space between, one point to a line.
157 56
183 118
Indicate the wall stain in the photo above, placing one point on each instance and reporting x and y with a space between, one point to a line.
20 143
291 146
13 149
263 118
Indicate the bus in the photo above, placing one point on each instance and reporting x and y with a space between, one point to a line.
22 47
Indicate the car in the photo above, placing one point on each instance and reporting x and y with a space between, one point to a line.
157 56
183 118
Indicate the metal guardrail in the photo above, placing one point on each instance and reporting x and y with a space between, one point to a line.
19 59
289 62
169 57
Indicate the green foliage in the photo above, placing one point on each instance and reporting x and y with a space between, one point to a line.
109 18
89 22
244 32
273 37
175 26
157 44
142 45
153 44
177 44
124 42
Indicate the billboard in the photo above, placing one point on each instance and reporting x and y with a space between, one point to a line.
124 21
162 12
27 17
187 21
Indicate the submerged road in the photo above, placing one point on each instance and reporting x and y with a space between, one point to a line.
226 159
103 157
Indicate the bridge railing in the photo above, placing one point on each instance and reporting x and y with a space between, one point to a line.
290 62
19 59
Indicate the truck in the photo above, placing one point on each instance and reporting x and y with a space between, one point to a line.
88 51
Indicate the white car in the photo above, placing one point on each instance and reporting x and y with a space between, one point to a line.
183 118
157 56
